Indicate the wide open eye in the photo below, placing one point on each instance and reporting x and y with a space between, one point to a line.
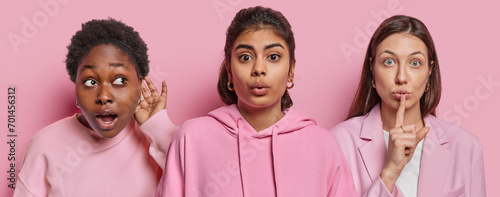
245 58
389 62
274 57
415 63
90 83
119 81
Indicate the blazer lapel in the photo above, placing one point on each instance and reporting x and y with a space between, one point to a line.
375 148
435 161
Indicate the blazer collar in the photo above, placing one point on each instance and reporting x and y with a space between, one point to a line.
372 124
373 152
438 134
435 157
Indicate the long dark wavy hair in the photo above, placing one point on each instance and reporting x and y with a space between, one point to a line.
254 18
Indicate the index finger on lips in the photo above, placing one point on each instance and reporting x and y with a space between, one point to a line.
400 115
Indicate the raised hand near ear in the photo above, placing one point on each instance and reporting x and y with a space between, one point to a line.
152 102
403 139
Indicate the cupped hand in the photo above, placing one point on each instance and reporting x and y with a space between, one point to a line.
152 101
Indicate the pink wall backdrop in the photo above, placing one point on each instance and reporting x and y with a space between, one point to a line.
186 40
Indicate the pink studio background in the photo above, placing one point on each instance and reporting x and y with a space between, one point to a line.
186 40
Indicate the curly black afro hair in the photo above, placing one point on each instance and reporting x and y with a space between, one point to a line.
107 31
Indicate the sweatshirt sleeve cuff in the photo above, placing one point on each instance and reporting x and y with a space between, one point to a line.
159 130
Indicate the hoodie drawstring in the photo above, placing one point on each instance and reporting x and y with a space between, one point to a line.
274 144
240 145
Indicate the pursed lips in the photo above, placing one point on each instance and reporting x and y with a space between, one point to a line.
399 93
259 88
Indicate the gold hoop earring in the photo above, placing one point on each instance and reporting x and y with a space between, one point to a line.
373 83
427 87
290 87
230 86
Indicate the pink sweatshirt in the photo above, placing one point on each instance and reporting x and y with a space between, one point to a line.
222 155
68 159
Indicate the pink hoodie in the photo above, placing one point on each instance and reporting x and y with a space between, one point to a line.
222 155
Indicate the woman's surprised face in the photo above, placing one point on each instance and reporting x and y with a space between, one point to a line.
401 68
260 69
107 89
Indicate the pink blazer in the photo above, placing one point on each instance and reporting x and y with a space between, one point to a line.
451 165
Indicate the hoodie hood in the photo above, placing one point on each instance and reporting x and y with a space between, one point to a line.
231 119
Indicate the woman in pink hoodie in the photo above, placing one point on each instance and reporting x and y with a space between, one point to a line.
103 151
392 139
256 146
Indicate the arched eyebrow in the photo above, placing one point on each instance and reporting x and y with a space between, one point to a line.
386 51
392 53
88 67
274 45
84 67
416 53
116 65
246 46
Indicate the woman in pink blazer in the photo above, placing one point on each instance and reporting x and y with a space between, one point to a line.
392 139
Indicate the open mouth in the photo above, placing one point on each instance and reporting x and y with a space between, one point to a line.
106 121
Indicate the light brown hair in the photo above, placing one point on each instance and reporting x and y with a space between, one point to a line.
366 96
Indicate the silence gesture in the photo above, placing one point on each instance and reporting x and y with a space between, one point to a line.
403 139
